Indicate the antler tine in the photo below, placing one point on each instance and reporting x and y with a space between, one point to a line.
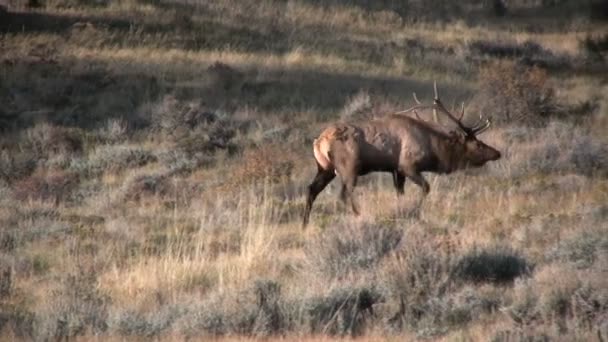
435 102
479 122
415 98
461 112
419 106
439 105
481 129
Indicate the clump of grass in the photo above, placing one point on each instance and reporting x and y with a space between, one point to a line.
348 248
556 148
54 185
140 186
343 311
174 117
46 139
417 277
581 250
113 158
115 131
179 162
495 265
258 310
261 164
74 309
14 166
147 324
357 107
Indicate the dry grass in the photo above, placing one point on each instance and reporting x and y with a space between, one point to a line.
155 156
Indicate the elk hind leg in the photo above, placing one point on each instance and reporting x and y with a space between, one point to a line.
321 180
399 182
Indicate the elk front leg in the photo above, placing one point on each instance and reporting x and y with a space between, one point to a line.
417 178
349 181
346 194
321 180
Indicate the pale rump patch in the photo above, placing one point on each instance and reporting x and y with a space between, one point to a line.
320 150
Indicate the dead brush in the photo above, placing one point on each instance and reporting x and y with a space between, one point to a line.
46 139
516 94
259 165
54 185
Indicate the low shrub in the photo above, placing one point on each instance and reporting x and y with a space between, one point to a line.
558 147
342 311
515 94
46 139
417 276
112 158
581 250
140 186
55 185
76 308
15 166
349 248
358 106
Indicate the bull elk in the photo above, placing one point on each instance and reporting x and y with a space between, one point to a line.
400 144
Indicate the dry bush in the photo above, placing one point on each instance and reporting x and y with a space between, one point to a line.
557 148
179 162
15 166
262 310
140 186
113 158
576 302
114 131
515 94
342 311
208 140
76 308
349 249
55 185
257 310
582 250
357 107
144 324
174 117
271 163
46 139
195 130
417 277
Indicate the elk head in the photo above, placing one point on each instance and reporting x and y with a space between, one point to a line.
475 152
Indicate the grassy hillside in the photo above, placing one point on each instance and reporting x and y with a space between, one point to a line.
154 157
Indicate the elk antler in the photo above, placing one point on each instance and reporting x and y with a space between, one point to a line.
418 106
438 105
474 130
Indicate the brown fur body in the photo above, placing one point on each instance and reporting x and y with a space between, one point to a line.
395 143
